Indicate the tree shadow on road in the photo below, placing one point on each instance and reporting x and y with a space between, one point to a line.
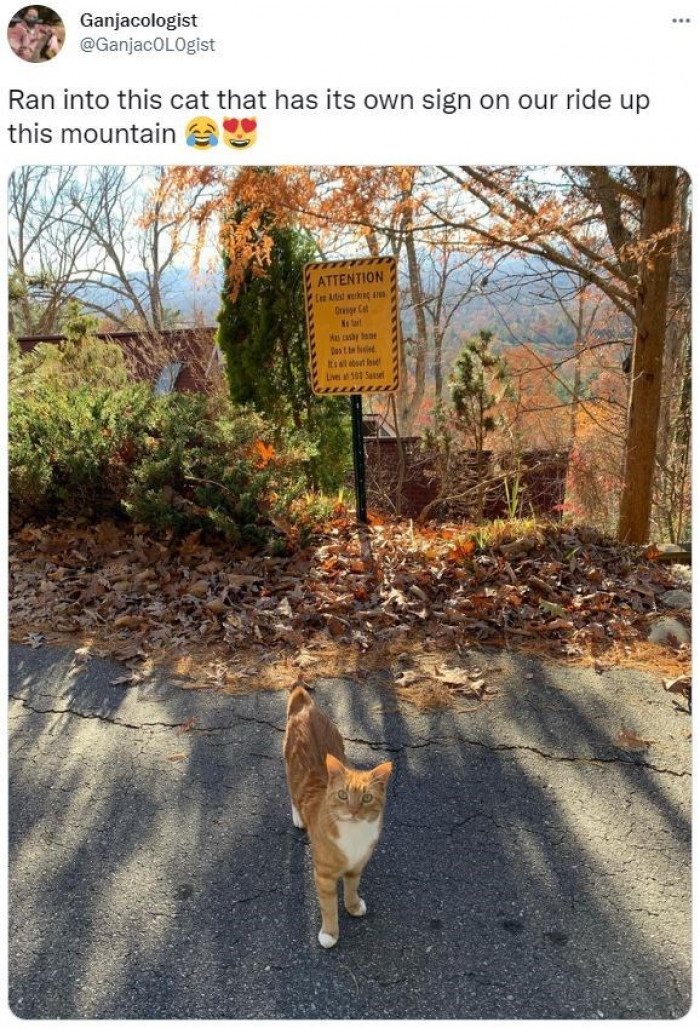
521 873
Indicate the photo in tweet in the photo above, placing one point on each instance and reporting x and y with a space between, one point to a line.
411 443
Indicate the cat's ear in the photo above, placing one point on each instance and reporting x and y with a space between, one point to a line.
334 766
381 772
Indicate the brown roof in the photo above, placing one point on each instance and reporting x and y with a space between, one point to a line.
147 354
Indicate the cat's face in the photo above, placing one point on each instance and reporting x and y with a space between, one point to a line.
355 795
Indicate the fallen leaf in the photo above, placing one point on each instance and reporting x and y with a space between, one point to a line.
238 582
405 678
198 589
126 680
553 608
515 548
334 625
629 741
476 685
306 659
681 684
128 621
558 625
453 675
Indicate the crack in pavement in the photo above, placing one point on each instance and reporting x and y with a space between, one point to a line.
91 716
598 761
505 747
384 748
555 838
257 895
202 730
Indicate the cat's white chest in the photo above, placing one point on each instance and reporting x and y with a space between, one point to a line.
356 839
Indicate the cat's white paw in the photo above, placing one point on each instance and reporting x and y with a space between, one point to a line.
296 818
360 910
327 940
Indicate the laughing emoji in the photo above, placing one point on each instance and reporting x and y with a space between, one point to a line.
240 133
202 133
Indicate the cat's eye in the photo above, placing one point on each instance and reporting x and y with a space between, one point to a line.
342 795
367 797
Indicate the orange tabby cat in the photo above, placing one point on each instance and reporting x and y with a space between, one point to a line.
340 808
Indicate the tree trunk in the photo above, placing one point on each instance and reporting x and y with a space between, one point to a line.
576 389
645 395
410 406
669 458
421 332
437 364
682 448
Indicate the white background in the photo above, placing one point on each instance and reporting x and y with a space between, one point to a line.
369 45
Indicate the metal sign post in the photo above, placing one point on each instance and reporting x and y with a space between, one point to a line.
358 454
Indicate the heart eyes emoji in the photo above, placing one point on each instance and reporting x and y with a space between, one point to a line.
240 133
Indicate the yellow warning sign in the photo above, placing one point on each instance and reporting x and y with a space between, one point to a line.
352 316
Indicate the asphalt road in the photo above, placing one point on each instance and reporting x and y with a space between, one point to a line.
530 865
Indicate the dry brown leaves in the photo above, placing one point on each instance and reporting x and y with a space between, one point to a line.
629 740
353 600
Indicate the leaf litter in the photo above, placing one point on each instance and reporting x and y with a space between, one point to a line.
393 597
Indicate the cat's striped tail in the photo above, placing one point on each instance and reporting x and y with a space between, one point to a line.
298 700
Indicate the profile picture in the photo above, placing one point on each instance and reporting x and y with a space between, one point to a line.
36 34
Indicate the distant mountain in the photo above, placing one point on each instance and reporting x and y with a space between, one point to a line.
196 299
516 300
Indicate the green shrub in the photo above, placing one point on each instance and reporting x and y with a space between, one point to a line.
201 470
169 462
73 364
69 452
